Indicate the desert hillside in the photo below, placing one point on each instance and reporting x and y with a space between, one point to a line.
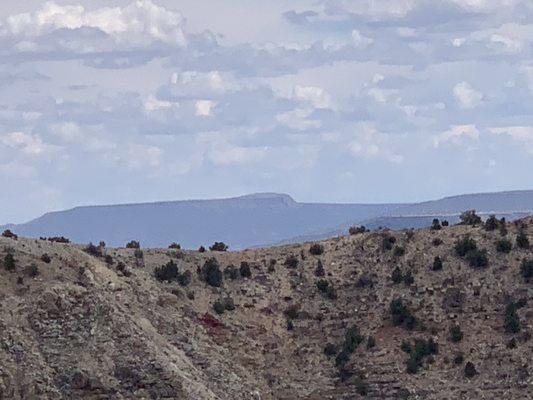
442 313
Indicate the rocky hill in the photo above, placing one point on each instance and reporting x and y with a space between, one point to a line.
425 314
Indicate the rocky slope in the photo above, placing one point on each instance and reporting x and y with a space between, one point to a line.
80 326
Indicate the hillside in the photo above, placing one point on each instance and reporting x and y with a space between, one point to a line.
257 220
241 222
80 326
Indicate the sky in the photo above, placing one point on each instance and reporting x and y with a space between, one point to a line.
105 102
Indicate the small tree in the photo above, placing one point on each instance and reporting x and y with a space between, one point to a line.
168 272
456 335
470 370
526 270
32 270
291 261
464 245
397 275
477 258
46 258
435 225
512 320
470 218
503 246
401 314
93 250
9 262
245 270
8 234
492 223
437 264
201 249
218 307
522 241
185 278
231 272
319 270
218 246
399 251
175 246
211 273
134 244
316 249
387 242
354 230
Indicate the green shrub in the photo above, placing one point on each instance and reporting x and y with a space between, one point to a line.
387 242
491 224
399 251
477 258
437 264
322 285
354 230
245 270
168 272
108 259
46 258
93 250
185 278
522 241
445 223
211 273
219 307
361 387
8 234
370 342
138 253
133 245
231 272
201 249
175 246
9 261
228 304
330 350
397 275
319 270
292 312
435 225
401 315
316 249
470 218
456 335
503 246
291 261
32 270
464 245
470 370
408 278
526 270
459 358
218 246
512 320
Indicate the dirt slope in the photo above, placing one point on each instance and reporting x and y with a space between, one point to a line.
87 329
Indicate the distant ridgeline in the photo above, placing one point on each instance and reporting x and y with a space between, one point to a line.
256 220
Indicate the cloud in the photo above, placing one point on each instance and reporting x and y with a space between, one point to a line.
520 134
204 108
466 95
27 143
318 97
456 134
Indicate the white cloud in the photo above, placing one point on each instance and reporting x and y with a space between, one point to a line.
228 154
456 134
152 103
139 20
142 156
298 119
17 170
466 95
360 40
27 143
204 108
520 134
317 96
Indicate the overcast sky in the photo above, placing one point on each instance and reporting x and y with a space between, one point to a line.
340 101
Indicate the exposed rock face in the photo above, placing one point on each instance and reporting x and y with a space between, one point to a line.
82 329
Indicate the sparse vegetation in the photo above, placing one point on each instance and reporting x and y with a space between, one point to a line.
470 370
387 242
399 251
46 258
512 320
133 245
175 246
354 230
319 270
168 272
201 249
470 218
93 250
218 307
231 272
435 225
477 258
8 234
32 270
492 223
420 349
218 246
